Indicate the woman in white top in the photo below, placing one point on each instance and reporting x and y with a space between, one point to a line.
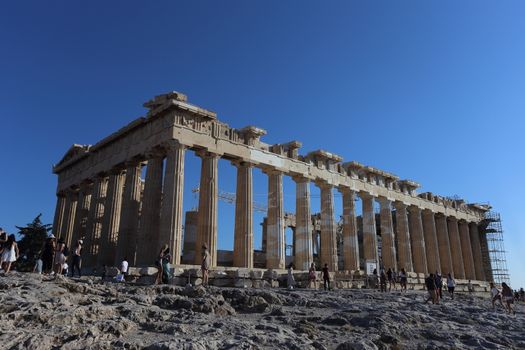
291 279
451 285
496 295
10 253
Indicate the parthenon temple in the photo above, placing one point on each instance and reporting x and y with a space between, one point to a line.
102 198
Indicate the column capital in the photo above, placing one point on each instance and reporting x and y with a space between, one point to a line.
204 153
414 209
173 145
155 153
271 171
300 179
400 205
384 201
427 211
241 163
452 218
99 176
346 190
365 195
133 162
117 170
322 184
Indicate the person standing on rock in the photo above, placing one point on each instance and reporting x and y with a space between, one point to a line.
508 297
451 285
124 266
77 258
10 253
205 264
159 263
60 258
382 281
391 279
326 277
496 295
439 286
291 279
48 254
430 283
312 276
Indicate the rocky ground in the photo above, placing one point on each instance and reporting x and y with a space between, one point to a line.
37 312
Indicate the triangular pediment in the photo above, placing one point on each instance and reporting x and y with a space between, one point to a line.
73 152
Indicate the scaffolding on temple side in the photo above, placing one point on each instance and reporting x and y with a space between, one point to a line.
493 230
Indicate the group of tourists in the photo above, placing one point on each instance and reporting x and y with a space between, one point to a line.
506 297
390 278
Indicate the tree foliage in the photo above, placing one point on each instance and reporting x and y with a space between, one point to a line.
30 245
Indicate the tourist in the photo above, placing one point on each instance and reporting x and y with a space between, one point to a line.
205 264
430 284
312 277
48 254
522 294
38 266
65 269
507 296
326 277
166 259
159 263
495 295
439 286
451 285
291 279
382 281
403 279
77 258
124 266
10 253
60 258
470 287
391 276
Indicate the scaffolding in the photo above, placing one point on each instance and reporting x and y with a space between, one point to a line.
496 249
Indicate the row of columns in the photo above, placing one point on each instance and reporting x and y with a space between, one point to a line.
106 212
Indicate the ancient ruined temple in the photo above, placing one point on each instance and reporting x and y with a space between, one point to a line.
102 199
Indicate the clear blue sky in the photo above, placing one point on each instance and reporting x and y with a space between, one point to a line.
429 90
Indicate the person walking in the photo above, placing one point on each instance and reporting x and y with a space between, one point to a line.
205 264
77 258
430 284
391 276
403 279
48 254
60 258
439 286
124 266
451 285
508 297
312 277
159 263
326 277
10 253
495 296
382 281
291 279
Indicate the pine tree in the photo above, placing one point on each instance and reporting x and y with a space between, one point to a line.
30 245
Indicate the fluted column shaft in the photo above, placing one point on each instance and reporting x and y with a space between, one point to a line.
243 234
148 237
388 249
350 240
303 256
208 203
466 249
487 267
172 199
476 251
404 249
111 220
275 239
69 216
93 225
59 214
431 242
417 240
129 215
445 257
328 228
369 229
84 199
455 248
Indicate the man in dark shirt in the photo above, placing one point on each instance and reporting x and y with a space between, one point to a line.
326 277
430 283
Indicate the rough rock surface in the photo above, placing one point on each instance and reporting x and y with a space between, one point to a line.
37 312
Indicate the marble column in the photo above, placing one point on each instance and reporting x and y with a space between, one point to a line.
388 249
84 200
111 219
487 266
129 214
466 249
455 248
404 249
417 240
350 240
243 232
275 236
369 230
208 205
431 242
148 237
172 198
328 228
303 225
476 251
445 257
69 216
59 214
93 225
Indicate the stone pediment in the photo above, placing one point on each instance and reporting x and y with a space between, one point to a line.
75 151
